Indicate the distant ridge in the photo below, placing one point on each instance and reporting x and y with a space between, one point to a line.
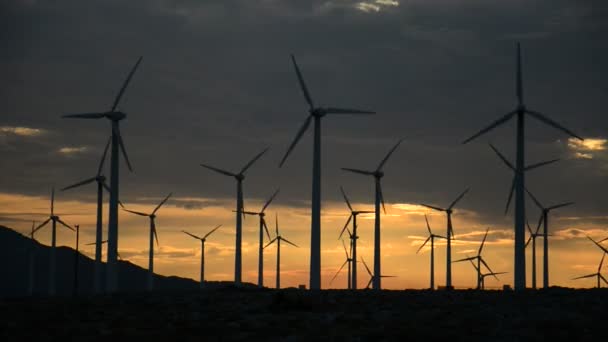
14 271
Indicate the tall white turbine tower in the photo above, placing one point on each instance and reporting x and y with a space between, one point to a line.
115 116
377 174
520 213
239 211
315 113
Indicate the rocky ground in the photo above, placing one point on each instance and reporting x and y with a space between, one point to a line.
225 314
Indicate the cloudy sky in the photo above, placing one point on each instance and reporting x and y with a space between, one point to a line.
216 86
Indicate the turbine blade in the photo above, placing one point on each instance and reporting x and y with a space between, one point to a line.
546 120
345 250
211 232
492 126
85 116
52 201
597 244
302 83
381 197
270 243
65 225
388 155
345 226
585 276
339 270
103 157
604 279
332 110
136 212
510 195
346 199
291 243
536 201
367 269
123 149
601 262
161 203
266 228
367 173
432 207
428 226
155 235
485 264
194 236
296 139
219 170
560 205
540 221
465 259
459 198
502 157
537 165
270 200
370 282
424 244
87 181
276 223
125 84
42 225
474 266
483 241
258 156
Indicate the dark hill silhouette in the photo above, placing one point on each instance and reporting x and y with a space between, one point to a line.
14 270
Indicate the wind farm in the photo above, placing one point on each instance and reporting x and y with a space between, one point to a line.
434 202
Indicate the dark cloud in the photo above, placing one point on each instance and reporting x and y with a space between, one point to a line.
216 86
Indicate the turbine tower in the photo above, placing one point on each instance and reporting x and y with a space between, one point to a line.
101 184
115 116
533 236
598 275
377 174
315 113
353 237
431 238
520 214
239 210
371 275
153 236
203 239
53 260
263 227
348 261
479 260
449 237
278 238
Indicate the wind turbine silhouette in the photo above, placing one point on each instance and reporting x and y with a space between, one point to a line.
53 260
484 275
315 113
102 242
101 184
278 238
263 227
349 261
450 236
432 239
479 259
353 237
533 236
377 174
115 116
371 275
239 210
544 218
520 215
153 236
598 275
203 239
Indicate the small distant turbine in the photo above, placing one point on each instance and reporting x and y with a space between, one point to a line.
484 275
53 260
153 236
315 113
353 236
479 259
372 276
239 210
377 174
101 184
348 261
278 238
520 214
450 236
533 236
598 275
203 239
431 238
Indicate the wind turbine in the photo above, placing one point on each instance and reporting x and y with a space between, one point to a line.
278 238
153 236
315 113
432 239
450 236
520 214
484 275
545 219
353 237
53 260
349 261
479 259
203 239
371 276
598 245
533 236
263 227
239 210
598 275
102 242
115 116
377 174
101 184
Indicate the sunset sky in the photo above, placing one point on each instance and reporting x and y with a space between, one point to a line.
216 86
